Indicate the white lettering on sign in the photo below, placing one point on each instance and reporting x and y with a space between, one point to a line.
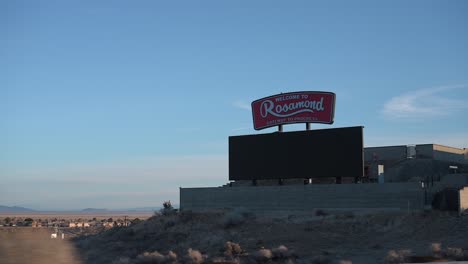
284 110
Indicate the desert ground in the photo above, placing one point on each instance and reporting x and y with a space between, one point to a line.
244 237
34 245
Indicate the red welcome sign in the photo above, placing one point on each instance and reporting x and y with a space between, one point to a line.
296 107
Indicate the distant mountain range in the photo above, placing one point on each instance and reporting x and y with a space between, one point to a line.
15 209
138 209
143 209
19 209
94 210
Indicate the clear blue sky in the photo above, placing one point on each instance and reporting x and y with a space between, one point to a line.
115 104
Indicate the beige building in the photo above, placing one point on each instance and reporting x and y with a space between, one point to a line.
78 224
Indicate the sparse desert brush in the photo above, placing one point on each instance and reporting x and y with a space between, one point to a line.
168 209
186 216
454 253
345 215
156 258
236 217
436 249
171 257
281 252
232 249
320 212
321 260
169 224
194 256
397 256
122 261
263 255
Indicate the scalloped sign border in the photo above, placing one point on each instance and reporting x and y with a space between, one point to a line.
294 107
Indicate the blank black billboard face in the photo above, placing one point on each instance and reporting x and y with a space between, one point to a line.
302 154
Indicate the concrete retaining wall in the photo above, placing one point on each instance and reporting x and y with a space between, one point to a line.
306 197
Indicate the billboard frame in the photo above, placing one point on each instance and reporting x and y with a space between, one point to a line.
279 124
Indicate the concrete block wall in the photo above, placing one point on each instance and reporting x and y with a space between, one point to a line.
463 196
455 180
394 153
306 197
439 152
425 151
449 154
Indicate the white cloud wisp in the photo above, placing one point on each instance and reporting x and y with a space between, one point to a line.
242 105
424 103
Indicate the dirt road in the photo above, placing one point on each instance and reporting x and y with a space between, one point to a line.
34 245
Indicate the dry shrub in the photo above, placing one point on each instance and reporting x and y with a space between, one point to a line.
171 257
343 261
454 253
451 253
169 224
167 209
156 258
320 212
281 252
194 256
397 256
235 217
150 258
186 216
321 259
232 249
436 249
263 255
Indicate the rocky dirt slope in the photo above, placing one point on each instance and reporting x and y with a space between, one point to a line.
242 237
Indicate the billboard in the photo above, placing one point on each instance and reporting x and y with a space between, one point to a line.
302 154
296 107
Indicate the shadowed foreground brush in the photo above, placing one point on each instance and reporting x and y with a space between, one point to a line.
263 255
156 258
232 249
195 257
397 256
236 217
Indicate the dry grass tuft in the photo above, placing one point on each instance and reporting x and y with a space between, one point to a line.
263 255
171 257
397 256
454 253
236 217
436 249
281 252
232 249
150 257
194 256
